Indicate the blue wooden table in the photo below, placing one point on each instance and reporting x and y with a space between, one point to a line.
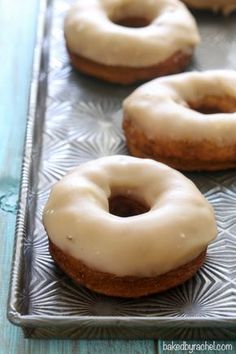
18 21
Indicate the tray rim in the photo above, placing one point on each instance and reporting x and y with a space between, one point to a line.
15 286
18 248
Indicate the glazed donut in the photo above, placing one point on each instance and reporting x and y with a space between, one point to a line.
103 42
187 121
226 6
128 227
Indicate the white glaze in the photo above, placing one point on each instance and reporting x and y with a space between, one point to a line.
226 6
178 227
160 107
89 32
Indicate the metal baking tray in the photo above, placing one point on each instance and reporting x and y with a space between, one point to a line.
72 119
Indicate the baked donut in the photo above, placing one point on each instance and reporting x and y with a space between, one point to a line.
125 41
187 121
225 6
128 227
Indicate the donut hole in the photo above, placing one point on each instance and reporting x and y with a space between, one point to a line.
124 206
214 104
133 22
133 14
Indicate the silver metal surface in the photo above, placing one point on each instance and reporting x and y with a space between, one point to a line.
73 119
